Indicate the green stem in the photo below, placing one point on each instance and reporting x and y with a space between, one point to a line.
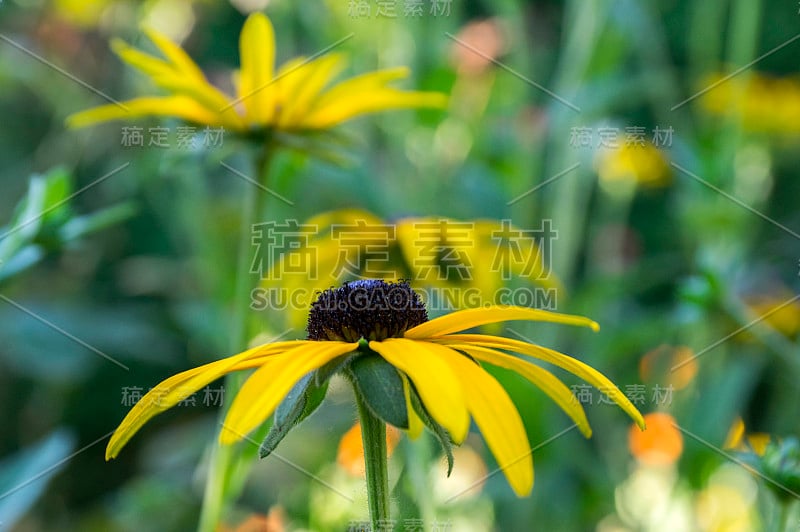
224 479
373 436
783 522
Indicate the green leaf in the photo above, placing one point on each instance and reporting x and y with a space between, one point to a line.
58 187
90 223
26 221
20 261
301 401
381 388
43 221
441 434
24 476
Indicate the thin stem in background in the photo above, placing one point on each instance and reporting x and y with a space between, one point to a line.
224 481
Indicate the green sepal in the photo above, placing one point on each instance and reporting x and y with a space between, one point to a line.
301 401
441 434
326 371
381 387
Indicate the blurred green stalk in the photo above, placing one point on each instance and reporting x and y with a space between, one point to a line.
227 469
583 22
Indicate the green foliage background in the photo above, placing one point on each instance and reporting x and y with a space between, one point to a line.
140 265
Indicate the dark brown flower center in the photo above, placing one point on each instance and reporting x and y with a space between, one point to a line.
371 309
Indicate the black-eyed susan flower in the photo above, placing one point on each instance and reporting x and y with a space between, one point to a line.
408 370
296 98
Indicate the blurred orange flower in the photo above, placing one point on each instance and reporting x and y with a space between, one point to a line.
351 448
660 444
669 366
272 522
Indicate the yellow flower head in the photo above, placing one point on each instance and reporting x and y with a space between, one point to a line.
762 103
437 372
297 98
633 164
469 260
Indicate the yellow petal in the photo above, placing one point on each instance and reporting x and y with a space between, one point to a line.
584 371
440 391
181 78
257 55
147 63
327 219
735 435
371 102
540 377
301 84
175 54
266 388
415 424
759 441
176 388
497 418
173 106
466 319
360 84
288 81
367 93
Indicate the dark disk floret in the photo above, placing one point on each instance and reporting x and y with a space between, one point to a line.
370 308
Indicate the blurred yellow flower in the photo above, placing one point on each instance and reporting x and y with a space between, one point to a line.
633 163
782 317
463 263
81 12
298 98
738 440
762 103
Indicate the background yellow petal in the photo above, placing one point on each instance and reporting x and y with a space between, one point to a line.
147 63
440 391
257 55
301 85
266 388
360 84
540 377
175 54
181 79
373 101
497 418
466 319
584 371
173 106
